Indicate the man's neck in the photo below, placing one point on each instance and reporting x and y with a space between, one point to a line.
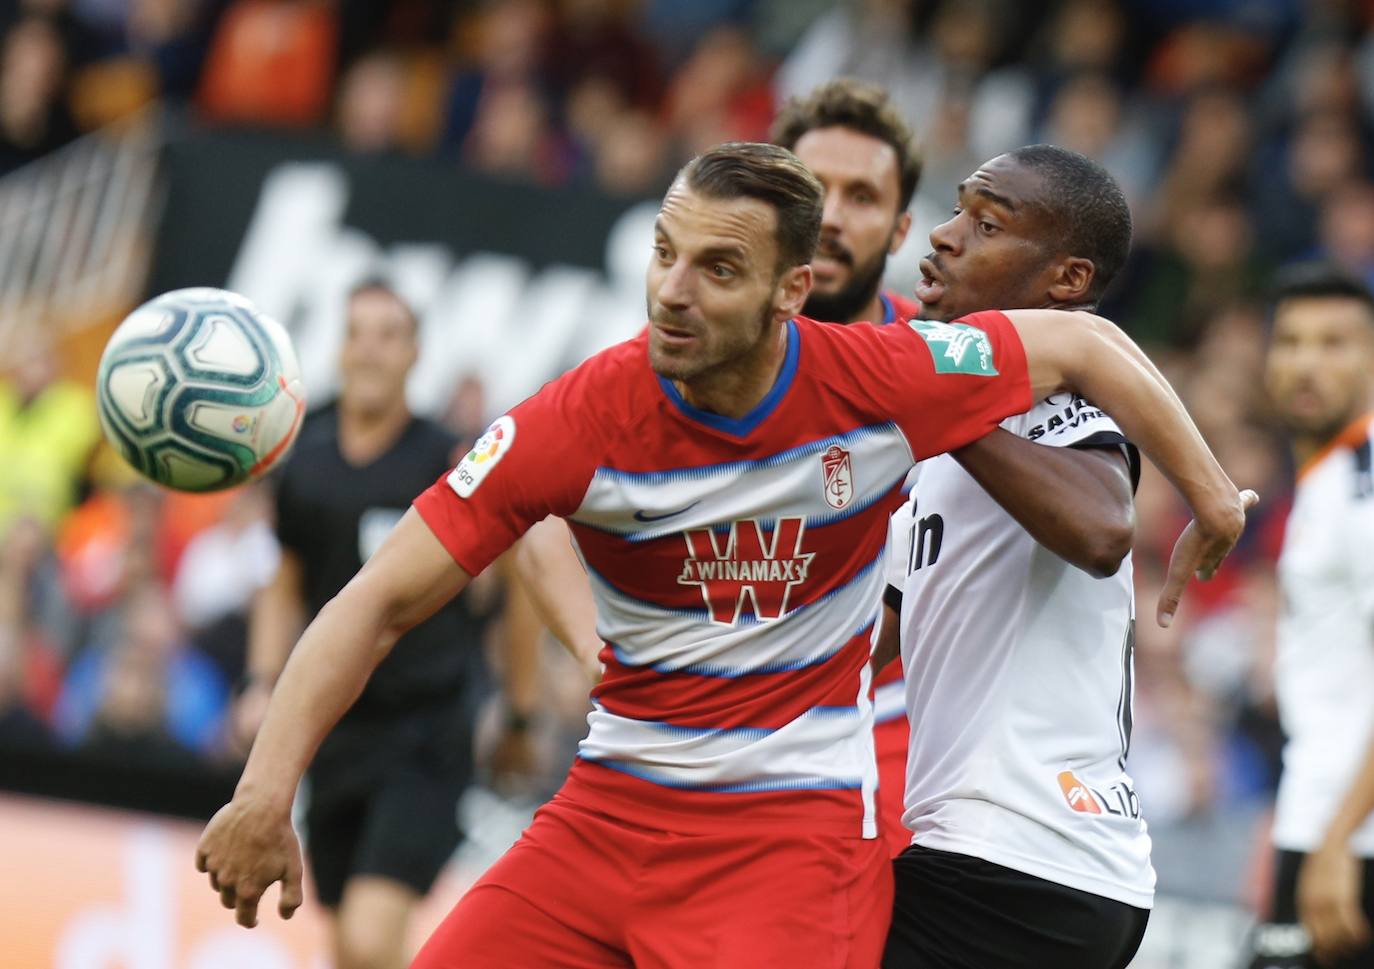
874 311
365 436
736 390
1308 447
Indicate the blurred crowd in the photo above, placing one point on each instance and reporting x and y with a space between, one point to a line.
1240 131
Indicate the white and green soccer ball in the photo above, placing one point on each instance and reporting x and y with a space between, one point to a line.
199 390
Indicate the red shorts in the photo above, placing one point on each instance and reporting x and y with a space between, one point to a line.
890 743
585 890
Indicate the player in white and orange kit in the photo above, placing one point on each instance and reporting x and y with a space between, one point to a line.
728 476
1320 377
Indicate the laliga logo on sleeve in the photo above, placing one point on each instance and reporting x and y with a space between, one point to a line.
490 448
839 477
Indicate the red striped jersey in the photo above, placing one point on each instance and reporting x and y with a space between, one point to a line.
737 563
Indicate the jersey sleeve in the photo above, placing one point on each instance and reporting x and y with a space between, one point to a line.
948 384
535 461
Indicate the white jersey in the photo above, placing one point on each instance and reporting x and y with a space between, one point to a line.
1324 673
1018 681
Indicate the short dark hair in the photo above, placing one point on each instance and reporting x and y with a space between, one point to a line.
380 284
1087 206
771 174
1320 280
865 108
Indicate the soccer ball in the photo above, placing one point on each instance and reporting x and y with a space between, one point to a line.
199 390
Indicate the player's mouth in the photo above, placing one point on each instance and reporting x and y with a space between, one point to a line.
831 262
673 336
931 287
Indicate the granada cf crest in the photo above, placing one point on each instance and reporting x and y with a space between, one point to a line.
839 477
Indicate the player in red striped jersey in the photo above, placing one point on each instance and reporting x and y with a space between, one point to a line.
729 475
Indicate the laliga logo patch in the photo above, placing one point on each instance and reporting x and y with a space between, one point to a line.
490 448
839 477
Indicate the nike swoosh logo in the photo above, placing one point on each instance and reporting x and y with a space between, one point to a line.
641 517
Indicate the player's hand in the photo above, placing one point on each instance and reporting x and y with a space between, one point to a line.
1329 903
1199 552
245 848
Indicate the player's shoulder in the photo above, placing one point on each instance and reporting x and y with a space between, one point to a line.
319 431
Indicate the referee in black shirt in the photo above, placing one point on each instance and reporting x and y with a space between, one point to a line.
384 787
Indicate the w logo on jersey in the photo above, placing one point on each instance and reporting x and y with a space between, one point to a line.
748 568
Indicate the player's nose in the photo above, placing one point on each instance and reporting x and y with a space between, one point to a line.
944 238
675 286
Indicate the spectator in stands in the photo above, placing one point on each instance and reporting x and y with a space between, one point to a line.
596 38
371 108
34 116
48 430
1345 229
150 658
503 47
271 62
20 726
720 94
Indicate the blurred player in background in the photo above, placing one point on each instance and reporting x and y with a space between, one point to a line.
1319 372
384 786
1017 618
729 476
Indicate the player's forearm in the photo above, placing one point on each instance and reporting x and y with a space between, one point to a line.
1089 355
1075 503
404 583
1356 805
557 585
325 673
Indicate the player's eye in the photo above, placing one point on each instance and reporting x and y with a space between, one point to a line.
661 252
986 227
722 271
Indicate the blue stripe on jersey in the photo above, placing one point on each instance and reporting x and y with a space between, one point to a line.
773 460
889 311
720 671
750 733
744 426
747 787
767 524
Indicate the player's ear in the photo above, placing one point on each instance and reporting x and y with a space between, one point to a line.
794 285
1072 281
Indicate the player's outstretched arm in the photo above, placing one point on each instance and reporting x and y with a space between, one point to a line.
556 583
1085 353
249 843
1076 503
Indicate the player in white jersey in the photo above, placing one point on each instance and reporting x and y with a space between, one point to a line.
1319 368
1028 846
